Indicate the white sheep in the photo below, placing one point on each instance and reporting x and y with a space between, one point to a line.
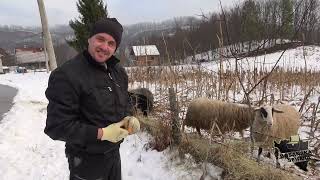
274 123
203 112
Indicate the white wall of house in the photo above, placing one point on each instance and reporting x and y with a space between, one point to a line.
29 57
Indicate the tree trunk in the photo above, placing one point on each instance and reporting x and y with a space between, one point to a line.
176 134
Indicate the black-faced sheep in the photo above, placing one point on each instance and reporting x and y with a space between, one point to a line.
202 113
273 124
141 99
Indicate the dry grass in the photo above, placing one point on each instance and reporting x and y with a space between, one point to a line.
160 132
233 158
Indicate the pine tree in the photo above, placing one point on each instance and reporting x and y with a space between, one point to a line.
287 18
250 22
90 11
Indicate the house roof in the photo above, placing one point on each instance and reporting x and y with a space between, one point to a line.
147 50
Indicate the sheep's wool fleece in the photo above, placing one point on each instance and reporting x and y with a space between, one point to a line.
202 112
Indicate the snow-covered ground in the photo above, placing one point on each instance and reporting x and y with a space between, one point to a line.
26 153
292 59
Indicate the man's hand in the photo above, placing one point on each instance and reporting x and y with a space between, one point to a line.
132 124
114 133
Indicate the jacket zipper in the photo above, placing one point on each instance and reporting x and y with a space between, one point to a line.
113 80
112 89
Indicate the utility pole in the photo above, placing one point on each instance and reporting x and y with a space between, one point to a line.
47 36
45 52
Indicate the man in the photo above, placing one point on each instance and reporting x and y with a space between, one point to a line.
88 106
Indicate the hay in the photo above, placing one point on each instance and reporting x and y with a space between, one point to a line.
160 132
149 124
232 156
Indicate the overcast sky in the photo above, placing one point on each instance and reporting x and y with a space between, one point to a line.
26 12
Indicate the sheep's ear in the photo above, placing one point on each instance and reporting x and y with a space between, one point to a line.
276 110
256 109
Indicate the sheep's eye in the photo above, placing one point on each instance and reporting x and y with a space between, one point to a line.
264 113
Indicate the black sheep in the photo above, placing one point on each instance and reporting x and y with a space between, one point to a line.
142 99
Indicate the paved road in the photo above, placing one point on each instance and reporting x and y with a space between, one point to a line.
6 96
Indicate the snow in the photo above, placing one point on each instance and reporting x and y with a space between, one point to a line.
146 50
28 154
292 59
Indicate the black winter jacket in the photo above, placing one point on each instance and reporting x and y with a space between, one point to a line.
84 96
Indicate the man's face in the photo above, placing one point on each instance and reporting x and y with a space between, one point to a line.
101 47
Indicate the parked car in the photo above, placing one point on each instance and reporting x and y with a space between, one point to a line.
21 70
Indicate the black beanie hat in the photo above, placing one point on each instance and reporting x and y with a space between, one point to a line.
110 26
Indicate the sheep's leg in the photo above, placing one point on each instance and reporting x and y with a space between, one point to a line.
198 130
276 153
268 155
259 154
252 141
145 113
241 134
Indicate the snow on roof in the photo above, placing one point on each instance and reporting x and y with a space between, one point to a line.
150 50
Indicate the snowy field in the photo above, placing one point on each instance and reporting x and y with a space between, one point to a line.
28 154
292 59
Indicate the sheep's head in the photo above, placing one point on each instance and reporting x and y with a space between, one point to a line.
265 113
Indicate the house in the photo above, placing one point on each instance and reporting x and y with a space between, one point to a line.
30 57
3 61
147 55
8 59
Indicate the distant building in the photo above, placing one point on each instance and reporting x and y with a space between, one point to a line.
8 59
30 57
3 52
147 55
3 69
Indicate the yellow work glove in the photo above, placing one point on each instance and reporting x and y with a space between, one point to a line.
132 124
114 133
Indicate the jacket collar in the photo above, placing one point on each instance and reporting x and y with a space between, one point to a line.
110 63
